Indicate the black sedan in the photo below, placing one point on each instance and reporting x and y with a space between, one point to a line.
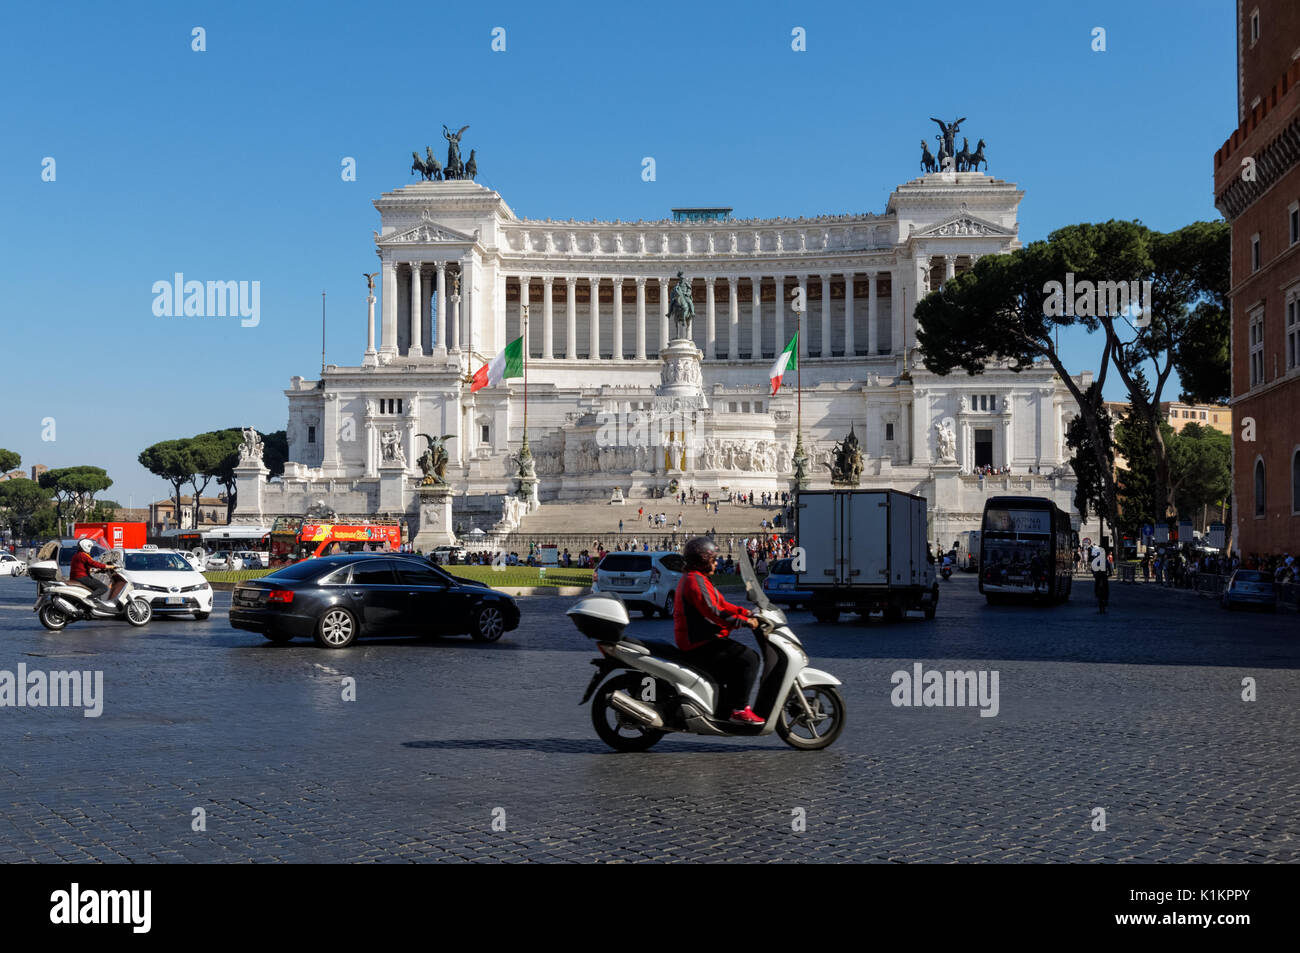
336 599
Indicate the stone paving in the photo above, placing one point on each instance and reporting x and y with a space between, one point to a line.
1138 712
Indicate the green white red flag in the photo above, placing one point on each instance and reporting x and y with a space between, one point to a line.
785 361
507 363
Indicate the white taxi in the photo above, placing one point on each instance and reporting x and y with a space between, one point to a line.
168 580
11 565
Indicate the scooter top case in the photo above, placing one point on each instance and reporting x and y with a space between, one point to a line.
47 571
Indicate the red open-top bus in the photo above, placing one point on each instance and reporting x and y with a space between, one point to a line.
294 538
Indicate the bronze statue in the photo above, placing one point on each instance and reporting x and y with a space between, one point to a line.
950 131
455 168
944 156
471 167
977 157
433 462
370 282
927 159
681 309
417 165
432 168
846 470
963 157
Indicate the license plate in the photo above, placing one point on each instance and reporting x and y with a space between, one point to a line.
175 601
622 581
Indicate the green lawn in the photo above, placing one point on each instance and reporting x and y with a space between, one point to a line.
239 575
504 576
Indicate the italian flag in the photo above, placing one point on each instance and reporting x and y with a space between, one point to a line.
508 363
785 361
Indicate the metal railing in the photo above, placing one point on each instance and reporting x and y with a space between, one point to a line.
575 543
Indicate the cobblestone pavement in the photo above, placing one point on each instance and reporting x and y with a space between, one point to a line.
1138 712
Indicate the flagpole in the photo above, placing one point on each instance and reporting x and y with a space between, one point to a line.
800 459
525 362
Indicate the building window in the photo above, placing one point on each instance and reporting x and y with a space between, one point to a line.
731 407
311 434
889 432
390 405
1254 27
1293 330
1259 487
744 406
1295 482
1254 253
484 434
1202 415
1293 222
1257 348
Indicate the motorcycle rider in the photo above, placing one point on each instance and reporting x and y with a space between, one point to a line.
82 564
702 620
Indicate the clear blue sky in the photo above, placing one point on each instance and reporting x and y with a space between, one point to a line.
225 164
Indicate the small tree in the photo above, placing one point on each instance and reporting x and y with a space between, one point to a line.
9 460
74 489
21 500
171 460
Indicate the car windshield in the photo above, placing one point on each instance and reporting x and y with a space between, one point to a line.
782 568
1249 575
156 562
624 562
307 569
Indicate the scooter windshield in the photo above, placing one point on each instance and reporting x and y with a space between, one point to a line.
752 587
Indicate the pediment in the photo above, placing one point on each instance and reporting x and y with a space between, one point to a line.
425 233
964 225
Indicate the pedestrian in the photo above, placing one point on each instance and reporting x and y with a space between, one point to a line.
620 526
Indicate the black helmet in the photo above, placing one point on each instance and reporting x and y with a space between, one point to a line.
697 549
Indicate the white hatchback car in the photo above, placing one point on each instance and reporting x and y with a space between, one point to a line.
169 581
11 565
645 581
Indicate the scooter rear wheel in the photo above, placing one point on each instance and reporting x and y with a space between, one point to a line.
52 618
138 612
621 732
794 727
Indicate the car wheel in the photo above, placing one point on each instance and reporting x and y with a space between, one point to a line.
667 610
649 612
489 624
337 629
200 616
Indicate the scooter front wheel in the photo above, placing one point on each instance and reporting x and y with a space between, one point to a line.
52 618
621 732
799 729
138 612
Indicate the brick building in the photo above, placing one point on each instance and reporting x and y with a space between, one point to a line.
1257 188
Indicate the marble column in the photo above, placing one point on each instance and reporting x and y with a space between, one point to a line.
826 349
733 317
756 317
949 267
896 312
440 327
523 303
417 308
593 338
548 319
618 319
779 295
453 322
571 330
663 314
370 329
849 344
388 344
711 321
803 329
873 336
640 319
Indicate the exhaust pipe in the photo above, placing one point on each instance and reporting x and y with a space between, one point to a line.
641 712
66 607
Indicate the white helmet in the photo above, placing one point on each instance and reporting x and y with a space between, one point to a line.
85 544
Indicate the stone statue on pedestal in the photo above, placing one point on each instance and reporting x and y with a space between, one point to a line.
250 452
433 462
681 308
847 467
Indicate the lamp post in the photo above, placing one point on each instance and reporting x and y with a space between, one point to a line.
800 457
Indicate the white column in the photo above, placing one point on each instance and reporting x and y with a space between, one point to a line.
548 319
826 316
415 349
733 317
663 314
711 321
756 317
469 305
453 320
873 338
571 332
618 319
440 327
370 325
593 337
640 319
896 311
779 295
803 329
949 267
523 303
389 337
849 344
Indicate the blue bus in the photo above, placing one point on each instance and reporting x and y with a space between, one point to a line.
1026 550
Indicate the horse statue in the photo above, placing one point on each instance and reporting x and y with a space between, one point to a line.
846 470
681 308
927 159
471 167
962 158
432 168
433 461
455 168
944 156
977 157
417 165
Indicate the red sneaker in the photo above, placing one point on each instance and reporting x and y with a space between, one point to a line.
746 716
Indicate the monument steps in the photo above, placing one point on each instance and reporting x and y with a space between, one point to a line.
603 518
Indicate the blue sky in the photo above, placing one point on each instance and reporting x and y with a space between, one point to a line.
225 164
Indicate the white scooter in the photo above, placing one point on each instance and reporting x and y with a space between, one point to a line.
59 601
660 692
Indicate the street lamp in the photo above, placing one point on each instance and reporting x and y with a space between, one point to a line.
800 457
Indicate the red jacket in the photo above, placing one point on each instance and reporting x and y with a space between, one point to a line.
700 613
82 564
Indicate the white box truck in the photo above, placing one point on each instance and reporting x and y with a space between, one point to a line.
865 551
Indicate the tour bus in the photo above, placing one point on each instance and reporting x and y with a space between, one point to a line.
294 538
1026 550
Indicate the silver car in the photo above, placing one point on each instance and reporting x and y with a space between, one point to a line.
645 581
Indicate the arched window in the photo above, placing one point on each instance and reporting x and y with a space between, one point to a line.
1259 487
1295 481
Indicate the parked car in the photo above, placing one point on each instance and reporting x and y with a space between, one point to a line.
11 565
223 562
645 581
337 599
169 581
1249 587
442 555
781 585
254 560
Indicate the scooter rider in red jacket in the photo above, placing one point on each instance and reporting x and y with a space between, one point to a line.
702 621
82 564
